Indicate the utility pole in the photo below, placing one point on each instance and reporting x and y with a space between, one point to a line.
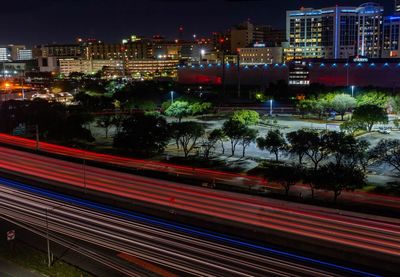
238 69
223 76
48 240
37 137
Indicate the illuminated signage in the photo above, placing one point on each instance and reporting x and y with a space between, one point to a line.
360 60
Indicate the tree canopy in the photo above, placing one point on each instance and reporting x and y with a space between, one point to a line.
370 115
143 135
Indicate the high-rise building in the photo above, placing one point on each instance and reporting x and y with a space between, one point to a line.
247 34
321 33
335 32
370 23
391 37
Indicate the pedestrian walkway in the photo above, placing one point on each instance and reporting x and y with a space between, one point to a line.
8 269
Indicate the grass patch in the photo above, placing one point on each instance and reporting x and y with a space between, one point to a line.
34 259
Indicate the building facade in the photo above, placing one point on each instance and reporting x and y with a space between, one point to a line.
370 23
5 54
321 33
391 37
397 6
335 32
260 54
67 66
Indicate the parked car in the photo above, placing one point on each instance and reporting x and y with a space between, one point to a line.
384 130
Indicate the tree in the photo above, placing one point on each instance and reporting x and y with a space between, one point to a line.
187 135
105 122
317 149
309 177
208 144
352 126
274 142
200 108
179 109
343 103
339 178
298 144
395 103
219 135
249 136
234 130
286 176
373 98
246 117
143 135
370 115
387 151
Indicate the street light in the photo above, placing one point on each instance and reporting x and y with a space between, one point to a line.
270 107
352 91
202 53
172 97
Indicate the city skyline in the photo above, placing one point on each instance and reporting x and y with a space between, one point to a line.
124 18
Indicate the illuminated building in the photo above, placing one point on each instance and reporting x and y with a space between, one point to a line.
5 54
67 66
15 51
260 54
370 22
138 49
62 51
150 69
335 32
321 33
360 72
299 74
391 37
24 55
397 6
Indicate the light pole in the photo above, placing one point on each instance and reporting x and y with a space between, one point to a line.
270 107
352 91
172 97
202 53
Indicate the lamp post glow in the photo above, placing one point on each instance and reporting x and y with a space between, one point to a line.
270 107
352 91
172 97
202 53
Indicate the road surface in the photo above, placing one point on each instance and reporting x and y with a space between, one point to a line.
188 251
353 232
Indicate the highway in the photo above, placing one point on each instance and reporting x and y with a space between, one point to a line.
198 173
205 175
353 232
189 251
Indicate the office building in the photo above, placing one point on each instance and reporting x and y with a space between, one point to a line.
334 32
62 51
4 54
260 54
15 50
370 22
391 37
150 69
24 55
67 66
321 33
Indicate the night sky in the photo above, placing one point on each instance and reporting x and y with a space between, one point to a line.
46 21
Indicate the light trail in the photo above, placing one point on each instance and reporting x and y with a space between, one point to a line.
159 241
